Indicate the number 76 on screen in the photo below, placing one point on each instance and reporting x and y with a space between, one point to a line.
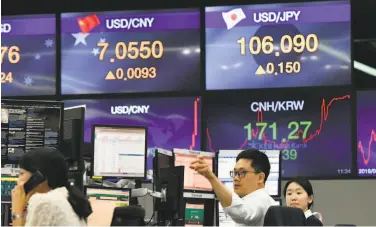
295 129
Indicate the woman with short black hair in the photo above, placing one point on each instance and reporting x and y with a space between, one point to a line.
299 193
54 202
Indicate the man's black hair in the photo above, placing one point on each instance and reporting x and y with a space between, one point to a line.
260 161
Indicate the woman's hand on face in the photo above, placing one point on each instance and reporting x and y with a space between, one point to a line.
19 198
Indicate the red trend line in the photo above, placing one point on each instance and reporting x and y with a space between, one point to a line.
323 117
370 142
195 123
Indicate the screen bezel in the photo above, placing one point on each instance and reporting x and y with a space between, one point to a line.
36 102
214 167
279 173
94 126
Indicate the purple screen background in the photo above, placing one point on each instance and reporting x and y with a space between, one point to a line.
178 69
227 69
35 73
170 121
322 156
366 110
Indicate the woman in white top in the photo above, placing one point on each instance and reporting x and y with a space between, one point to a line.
53 202
299 193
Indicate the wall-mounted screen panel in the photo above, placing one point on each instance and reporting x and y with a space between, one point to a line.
28 55
366 114
130 51
310 129
278 45
171 122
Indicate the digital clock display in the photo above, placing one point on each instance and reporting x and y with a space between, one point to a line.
278 45
366 114
123 52
311 129
28 55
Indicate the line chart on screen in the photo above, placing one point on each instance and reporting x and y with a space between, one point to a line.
324 114
195 124
366 153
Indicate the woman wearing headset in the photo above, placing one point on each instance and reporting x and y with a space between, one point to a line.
299 193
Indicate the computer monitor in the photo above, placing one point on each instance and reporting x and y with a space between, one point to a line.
7 185
103 201
171 184
162 159
193 180
119 151
227 161
28 124
73 137
198 212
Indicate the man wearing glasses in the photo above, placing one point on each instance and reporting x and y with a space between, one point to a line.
250 202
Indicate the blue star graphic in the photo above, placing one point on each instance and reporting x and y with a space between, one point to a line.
28 81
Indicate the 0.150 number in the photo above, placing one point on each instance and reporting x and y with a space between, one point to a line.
299 130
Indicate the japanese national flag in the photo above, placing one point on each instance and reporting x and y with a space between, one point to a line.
233 17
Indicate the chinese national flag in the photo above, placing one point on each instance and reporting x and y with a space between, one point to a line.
87 23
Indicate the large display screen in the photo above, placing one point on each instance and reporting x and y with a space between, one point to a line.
278 45
130 51
28 55
172 122
310 129
366 114
26 125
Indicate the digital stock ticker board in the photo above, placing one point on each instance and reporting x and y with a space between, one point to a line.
123 52
278 45
28 55
310 128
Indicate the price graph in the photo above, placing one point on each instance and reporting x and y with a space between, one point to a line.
366 133
318 132
256 133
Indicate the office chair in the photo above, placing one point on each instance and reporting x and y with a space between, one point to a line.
128 216
284 216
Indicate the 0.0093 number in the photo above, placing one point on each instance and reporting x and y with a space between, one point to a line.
136 73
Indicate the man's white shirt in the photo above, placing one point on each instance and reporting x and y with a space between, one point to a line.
251 209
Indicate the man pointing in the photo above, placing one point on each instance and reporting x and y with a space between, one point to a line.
250 200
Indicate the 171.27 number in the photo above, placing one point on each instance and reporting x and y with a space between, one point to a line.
297 129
